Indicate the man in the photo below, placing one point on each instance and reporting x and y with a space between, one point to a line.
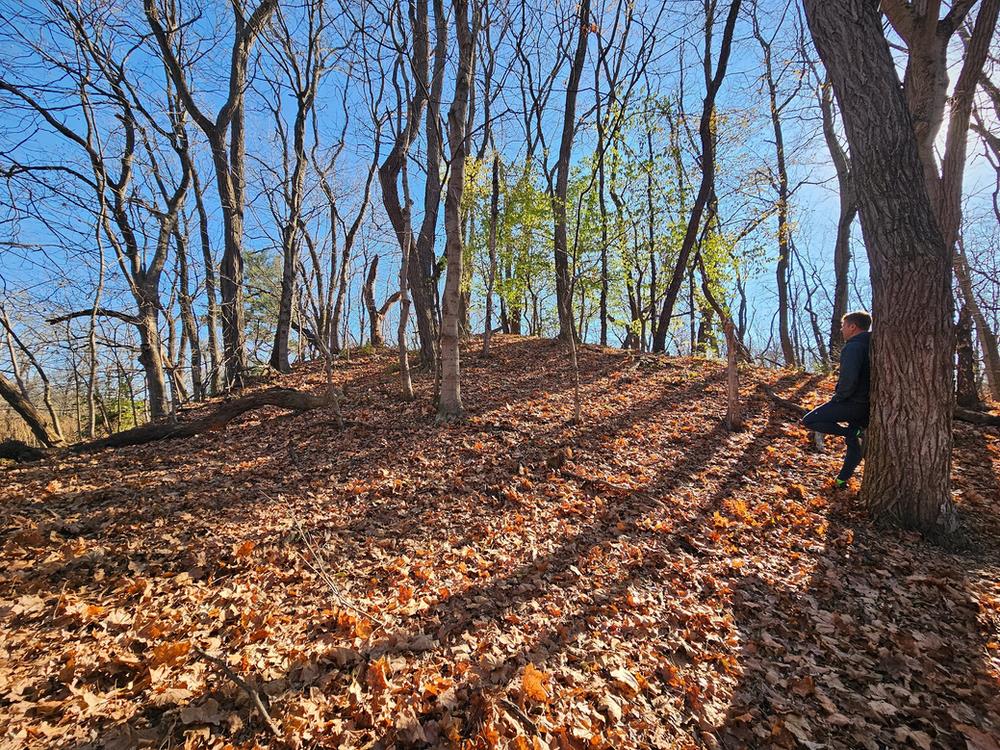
850 399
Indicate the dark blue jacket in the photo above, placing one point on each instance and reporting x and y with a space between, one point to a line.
855 370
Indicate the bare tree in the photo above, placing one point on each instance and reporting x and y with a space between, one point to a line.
713 82
226 137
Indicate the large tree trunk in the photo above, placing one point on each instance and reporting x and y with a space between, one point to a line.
151 358
450 402
564 285
908 472
17 400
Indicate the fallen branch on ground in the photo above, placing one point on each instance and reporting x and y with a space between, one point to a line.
252 694
285 398
320 570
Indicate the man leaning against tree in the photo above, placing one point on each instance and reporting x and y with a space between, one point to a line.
850 399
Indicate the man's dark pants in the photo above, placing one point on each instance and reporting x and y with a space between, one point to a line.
826 419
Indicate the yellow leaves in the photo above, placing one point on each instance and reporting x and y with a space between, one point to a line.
720 521
534 683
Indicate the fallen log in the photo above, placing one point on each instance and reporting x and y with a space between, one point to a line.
285 398
976 417
784 402
963 415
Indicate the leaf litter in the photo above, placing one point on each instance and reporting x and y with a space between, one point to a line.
645 579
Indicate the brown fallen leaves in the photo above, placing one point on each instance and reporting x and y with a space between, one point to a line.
645 579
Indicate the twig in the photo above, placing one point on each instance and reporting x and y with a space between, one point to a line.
321 571
514 710
242 684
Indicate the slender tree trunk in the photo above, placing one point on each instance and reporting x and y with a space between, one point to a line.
908 461
290 234
987 338
211 300
734 414
406 243
564 290
450 401
376 314
966 390
492 249
848 211
707 137
188 318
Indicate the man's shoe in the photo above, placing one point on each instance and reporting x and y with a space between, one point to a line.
840 484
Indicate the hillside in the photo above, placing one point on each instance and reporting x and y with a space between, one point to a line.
645 579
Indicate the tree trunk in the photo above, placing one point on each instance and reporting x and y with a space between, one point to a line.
848 210
908 462
450 401
212 303
376 314
19 403
564 286
988 339
706 132
966 389
290 236
151 358
734 414
492 249
188 318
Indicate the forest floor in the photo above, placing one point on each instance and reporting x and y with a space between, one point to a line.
645 579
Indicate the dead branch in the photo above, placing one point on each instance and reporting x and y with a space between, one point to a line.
320 570
976 417
285 398
784 402
242 684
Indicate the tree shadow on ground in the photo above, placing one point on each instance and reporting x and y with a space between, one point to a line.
877 640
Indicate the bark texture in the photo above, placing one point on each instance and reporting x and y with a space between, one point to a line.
908 461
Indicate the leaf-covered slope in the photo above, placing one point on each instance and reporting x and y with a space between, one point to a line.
645 579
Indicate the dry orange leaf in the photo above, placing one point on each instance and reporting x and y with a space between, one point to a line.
169 653
533 683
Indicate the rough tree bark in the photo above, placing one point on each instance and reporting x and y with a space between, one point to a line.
908 461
